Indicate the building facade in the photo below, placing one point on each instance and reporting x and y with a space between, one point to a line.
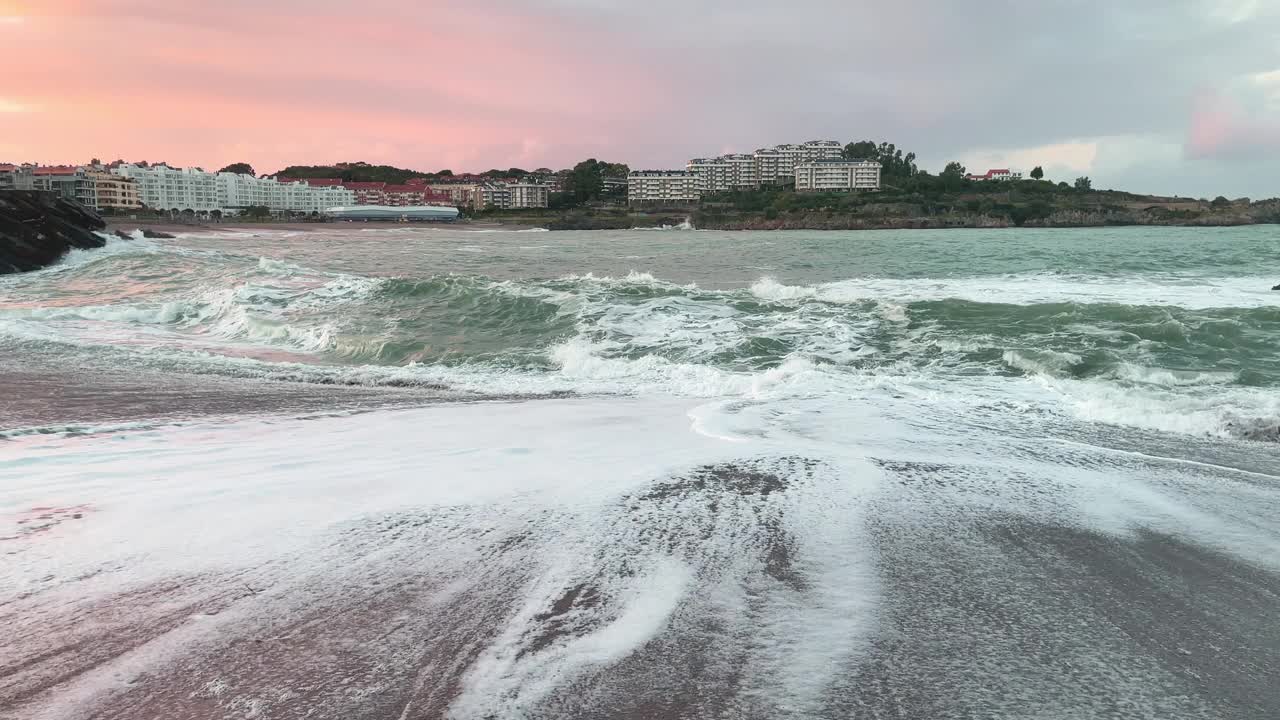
164 188
529 195
663 187
72 183
173 189
837 176
459 194
114 193
17 177
766 166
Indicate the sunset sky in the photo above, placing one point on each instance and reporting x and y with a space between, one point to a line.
1168 96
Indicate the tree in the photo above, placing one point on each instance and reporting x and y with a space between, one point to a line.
585 181
893 162
952 176
863 150
1037 173
256 211
1220 202
238 168
1084 183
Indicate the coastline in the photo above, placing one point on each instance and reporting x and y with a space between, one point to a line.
167 226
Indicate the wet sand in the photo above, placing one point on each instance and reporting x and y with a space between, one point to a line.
48 394
994 616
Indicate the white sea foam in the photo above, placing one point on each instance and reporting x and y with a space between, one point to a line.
1042 362
1027 289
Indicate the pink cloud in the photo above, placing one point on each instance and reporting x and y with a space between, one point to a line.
1220 127
427 85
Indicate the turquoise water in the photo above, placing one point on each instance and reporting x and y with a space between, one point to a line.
433 472
1159 320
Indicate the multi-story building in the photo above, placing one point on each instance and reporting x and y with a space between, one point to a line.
412 195
768 162
766 166
837 175
529 195
368 193
461 194
285 195
663 187
91 186
712 173
16 177
193 190
112 192
72 183
728 172
236 191
493 195
173 189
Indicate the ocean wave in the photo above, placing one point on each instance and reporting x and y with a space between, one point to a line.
1211 410
79 429
1042 362
1033 289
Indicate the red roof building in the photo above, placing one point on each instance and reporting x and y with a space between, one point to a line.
996 174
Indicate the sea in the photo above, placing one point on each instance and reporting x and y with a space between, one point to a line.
405 472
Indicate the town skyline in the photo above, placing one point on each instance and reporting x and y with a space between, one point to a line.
495 84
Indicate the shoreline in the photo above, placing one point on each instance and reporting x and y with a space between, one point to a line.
168 226
606 224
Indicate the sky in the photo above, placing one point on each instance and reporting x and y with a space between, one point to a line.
1160 96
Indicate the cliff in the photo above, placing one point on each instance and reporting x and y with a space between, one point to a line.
37 228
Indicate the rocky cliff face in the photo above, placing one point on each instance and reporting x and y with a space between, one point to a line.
37 228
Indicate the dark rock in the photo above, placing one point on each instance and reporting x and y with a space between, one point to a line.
155 234
123 235
37 228
1276 287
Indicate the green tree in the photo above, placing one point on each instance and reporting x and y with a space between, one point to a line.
585 181
952 176
238 168
1220 202
256 211
862 150
894 163
1084 183
1037 173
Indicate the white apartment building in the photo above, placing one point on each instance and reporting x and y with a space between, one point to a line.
175 189
837 175
529 195
728 172
161 187
663 186
766 166
712 173
297 197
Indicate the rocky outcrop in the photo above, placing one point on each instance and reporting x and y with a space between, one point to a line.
37 228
